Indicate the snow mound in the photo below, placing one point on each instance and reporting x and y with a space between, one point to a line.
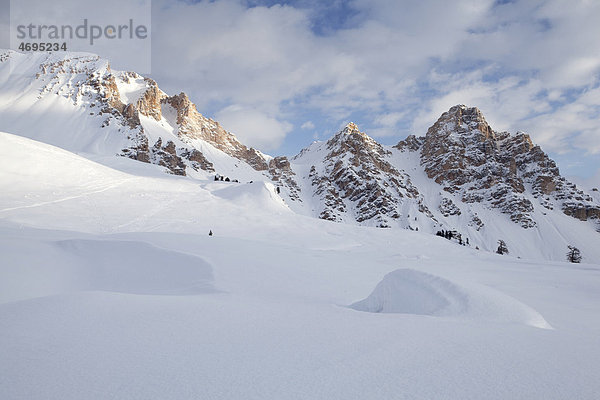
261 195
138 268
45 268
406 291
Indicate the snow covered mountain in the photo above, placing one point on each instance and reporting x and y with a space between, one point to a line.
110 279
462 176
86 107
111 287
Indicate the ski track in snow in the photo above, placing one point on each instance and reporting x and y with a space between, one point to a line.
78 196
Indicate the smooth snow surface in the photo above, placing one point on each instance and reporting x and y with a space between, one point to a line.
111 288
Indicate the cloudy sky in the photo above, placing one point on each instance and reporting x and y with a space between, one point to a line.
282 74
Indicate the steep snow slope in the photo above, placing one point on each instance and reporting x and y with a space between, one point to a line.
46 186
118 292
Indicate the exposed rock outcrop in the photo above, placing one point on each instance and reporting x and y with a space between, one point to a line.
281 173
463 153
355 177
193 125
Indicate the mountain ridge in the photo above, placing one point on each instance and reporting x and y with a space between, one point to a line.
461 175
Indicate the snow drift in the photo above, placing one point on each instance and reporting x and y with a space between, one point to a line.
35 268
407 291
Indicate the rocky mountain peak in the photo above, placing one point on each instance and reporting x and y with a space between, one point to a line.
120 99
355 177
463 154
149 104
461 122
193 125
350 128
411 143
352 140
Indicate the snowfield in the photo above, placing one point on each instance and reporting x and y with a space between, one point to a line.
111 288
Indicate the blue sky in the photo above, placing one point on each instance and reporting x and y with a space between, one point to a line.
282 74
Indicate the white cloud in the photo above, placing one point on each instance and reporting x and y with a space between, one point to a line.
385 124
528 65
308 125
589 182
389 119
594 181
505 103
253 127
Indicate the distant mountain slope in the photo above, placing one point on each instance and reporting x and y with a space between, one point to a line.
85 106
461 176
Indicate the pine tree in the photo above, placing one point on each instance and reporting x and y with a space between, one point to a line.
502 249
574 255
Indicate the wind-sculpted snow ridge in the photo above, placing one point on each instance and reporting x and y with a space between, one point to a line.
46 268
406 291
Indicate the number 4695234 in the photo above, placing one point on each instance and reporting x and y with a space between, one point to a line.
49 46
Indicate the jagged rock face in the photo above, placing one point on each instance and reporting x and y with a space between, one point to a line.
411 143
166 156
149 104
462 153
198 160
281 172
99 87
356 178
447 207
333 206
193 125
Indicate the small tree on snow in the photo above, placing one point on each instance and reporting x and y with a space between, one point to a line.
502 249
574 255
